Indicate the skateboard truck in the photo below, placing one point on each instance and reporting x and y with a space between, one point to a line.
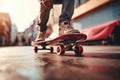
43 48
76 48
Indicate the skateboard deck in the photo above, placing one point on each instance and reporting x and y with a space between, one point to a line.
64 43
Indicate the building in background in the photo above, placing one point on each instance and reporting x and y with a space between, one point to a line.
95 12
91 14
14 33
5 29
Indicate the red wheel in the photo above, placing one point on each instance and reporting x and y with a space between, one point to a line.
60 50
51 49
78 50
35 49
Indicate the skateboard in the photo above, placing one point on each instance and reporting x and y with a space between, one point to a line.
67 42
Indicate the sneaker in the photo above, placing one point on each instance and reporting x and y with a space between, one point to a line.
40 36
66 28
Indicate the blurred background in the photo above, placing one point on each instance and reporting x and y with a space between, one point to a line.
100 60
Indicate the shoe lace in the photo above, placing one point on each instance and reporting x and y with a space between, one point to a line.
68 26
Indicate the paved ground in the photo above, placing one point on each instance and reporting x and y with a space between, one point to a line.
97 63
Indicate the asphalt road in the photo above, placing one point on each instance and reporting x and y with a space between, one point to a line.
97 63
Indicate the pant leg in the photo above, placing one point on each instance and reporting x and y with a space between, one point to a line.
67 10
44 16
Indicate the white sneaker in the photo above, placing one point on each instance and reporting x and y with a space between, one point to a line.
66 28
40 36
